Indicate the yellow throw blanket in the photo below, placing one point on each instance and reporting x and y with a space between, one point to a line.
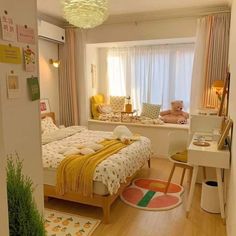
75 173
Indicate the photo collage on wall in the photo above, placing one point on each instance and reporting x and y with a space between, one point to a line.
15 54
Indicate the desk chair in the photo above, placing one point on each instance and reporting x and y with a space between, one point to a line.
178 154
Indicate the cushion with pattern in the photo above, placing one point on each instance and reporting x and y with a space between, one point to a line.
151 110
117 103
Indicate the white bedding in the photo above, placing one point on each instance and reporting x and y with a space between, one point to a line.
112 171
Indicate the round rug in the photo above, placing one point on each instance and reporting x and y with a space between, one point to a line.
148 194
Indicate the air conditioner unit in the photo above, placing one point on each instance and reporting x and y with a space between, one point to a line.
51 32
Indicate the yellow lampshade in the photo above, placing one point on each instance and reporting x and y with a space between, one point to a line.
218 84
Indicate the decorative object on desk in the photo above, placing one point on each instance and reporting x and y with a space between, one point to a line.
224 133
202 143
13 85
44 105
29 59
208 111
148 194
10 54
85 13
62 224
223 110
25 34
176 115
8 28
128 105
34 89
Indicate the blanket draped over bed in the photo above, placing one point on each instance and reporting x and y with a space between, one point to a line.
75 173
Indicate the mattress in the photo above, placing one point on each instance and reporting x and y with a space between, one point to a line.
110 173
50 179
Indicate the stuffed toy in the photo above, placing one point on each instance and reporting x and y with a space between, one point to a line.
175 115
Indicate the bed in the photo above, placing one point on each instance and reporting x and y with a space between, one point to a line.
110 177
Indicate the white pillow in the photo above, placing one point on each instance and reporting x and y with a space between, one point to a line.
47 125
86 151
151 110
104 108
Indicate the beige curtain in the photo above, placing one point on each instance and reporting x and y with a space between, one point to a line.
68 98
216 55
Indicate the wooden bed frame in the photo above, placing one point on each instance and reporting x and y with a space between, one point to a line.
104 202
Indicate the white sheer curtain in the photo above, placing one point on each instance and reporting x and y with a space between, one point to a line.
153 74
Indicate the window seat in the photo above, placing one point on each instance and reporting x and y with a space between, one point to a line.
158 134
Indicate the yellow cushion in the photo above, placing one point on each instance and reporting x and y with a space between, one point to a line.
99 98
95 102
181 156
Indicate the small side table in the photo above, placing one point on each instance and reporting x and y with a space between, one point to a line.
125 114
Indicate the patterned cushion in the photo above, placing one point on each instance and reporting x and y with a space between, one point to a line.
117 103
47 125
151 110
104 108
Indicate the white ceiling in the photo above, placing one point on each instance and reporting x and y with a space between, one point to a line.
116 7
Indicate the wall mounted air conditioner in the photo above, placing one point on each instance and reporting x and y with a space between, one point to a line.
51 32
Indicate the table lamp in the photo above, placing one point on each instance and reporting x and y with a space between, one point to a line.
218 86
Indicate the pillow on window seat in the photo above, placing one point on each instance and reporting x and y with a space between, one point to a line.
104 108
151 110
95 102
117 103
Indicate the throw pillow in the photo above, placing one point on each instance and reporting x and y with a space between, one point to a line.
117 103
104 108
151 110
47 125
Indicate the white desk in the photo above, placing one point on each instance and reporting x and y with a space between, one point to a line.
208 157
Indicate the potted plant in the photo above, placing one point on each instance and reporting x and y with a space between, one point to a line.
24 217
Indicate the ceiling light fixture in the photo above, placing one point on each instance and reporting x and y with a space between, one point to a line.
85 13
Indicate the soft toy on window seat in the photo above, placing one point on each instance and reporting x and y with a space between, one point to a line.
175 115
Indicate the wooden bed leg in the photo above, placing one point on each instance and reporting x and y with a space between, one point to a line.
149 163
106 213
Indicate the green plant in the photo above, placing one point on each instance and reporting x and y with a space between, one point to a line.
24 218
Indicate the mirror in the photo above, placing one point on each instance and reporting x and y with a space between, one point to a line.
224 103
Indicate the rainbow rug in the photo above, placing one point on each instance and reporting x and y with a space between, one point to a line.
63 224
148 194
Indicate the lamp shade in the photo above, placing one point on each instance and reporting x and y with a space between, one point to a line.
85 13
218 84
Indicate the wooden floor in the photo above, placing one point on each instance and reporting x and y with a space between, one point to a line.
129 221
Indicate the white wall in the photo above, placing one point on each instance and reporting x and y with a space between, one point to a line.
231 208
20 118
49 74
146 30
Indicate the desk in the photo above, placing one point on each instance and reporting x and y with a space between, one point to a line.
209 157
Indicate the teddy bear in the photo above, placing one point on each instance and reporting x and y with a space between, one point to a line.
175 115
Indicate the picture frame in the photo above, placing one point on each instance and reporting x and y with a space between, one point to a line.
13 86
224 103
224 134
44 106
